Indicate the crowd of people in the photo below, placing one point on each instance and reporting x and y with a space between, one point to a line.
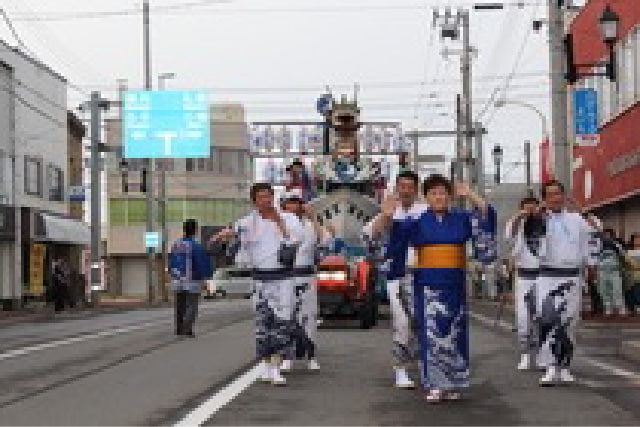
556 251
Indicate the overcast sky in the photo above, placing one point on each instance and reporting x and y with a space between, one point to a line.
277 55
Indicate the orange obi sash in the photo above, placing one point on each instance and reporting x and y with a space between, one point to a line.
440 256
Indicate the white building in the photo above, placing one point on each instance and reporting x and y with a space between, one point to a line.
33 174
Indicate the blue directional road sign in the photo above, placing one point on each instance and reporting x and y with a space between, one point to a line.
166 124
152 240
585 102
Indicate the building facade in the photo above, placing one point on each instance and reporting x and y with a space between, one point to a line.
212 190
606 177
33 177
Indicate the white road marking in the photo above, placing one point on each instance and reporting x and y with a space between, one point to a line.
614 370
223 397
11 354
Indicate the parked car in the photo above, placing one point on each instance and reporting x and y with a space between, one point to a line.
229 282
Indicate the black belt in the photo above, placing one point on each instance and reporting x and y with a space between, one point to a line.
528 273
271 275
559 272
304 271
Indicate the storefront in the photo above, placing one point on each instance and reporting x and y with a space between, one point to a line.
54 237
606 177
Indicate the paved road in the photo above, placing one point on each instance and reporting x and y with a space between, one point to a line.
127 369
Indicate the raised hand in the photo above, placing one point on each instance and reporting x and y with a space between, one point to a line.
462 189
389 205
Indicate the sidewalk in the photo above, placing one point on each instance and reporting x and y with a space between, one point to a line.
106 305
597 335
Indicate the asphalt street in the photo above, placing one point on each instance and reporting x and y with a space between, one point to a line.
129 369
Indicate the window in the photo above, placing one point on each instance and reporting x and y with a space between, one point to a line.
117 212
55 178
33 176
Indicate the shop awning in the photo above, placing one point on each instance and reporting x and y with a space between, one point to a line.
66 230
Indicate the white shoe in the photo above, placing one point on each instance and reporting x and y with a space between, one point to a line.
550 377
266 374
286 366
403 380
525 362
276 377
313 365
566 377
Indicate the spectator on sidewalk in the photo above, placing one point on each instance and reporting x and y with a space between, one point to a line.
60 285
632 260
610 260
189 266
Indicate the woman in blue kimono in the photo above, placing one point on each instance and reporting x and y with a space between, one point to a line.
439 237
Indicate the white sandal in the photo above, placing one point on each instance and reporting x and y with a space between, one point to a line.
434 396
452 395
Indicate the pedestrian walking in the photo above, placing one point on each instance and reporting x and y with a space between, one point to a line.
526 232
268 245
562 269
304 337
399 210
60 281
440 235
189 267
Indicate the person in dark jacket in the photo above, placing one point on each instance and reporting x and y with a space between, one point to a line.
189 266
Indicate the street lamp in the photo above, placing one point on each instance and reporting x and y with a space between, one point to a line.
497 159
609 22
543 119
163 77
609 25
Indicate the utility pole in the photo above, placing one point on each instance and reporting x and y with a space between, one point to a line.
163 209
146 40
478 132
465 69
96 105
459 175
527 159
562 150
451 26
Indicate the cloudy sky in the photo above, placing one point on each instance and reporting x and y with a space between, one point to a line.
276 56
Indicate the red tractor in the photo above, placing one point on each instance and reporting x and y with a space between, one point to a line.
347 288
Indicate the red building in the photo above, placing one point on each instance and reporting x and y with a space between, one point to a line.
606 177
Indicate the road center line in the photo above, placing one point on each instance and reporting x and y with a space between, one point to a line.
11 354
220 399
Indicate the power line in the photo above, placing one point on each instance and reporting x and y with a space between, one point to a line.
509 78
32 107
183 9
15 34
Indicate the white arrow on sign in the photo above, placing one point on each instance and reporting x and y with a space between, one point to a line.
168 136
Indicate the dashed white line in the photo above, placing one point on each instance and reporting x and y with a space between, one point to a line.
11 354
216 402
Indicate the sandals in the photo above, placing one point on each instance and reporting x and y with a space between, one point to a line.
437 396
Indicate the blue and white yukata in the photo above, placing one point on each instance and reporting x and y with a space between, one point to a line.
439 290
273 296
305 306
568 252
399 283
529 246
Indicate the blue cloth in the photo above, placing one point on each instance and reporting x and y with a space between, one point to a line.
189 265
396 248
440 295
